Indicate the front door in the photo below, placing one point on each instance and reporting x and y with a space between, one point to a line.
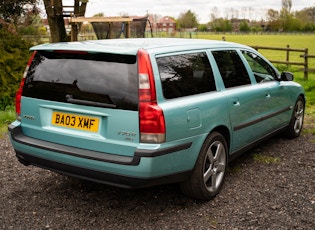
244 99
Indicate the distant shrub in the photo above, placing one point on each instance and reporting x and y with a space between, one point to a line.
14 55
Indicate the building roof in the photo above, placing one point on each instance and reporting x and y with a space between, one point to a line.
166 19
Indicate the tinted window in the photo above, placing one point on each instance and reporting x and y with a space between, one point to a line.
231 67
261 69
103 79
186 74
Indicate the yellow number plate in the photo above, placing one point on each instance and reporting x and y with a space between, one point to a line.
73 121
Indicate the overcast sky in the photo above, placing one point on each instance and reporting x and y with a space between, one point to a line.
255 9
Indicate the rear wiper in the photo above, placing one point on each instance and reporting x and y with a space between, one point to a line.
70 99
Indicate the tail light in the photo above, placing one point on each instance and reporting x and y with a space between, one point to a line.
19 92
151 117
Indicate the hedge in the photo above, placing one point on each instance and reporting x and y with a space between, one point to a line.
14 55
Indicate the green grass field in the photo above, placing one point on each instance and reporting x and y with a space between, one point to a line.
298 41
295 41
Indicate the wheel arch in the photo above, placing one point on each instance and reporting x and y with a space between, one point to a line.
200 186
302 95
225 132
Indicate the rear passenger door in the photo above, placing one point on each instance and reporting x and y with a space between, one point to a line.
189 99
243 98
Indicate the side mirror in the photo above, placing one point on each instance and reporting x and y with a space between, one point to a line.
286 76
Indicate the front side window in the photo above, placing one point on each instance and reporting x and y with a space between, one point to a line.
261 69
231 67
185 74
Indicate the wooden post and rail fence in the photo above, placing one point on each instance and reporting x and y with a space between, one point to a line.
305 55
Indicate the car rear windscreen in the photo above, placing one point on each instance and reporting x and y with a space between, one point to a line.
98 79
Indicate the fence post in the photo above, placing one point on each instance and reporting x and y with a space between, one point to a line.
288 54
306 64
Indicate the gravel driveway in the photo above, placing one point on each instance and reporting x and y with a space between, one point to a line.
270 187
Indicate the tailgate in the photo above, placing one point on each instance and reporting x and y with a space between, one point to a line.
99 129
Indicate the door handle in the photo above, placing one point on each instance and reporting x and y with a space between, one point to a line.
236 103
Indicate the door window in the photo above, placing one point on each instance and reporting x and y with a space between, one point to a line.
261 69
231 67
185 74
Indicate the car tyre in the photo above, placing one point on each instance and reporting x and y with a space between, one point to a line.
208 175
296 124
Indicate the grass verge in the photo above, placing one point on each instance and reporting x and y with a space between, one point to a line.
309 86
6 117
265 159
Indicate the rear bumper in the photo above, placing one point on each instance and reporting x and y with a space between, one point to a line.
23 146
18 136
100 176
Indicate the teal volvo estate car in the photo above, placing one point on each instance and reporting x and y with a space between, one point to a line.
141 112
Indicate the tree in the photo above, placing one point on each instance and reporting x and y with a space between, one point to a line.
12 10
188 20
221 25
286 5
307 17
202 27
231 13
286 16
55 16
214 13
273 18
244 27
98 15
272 15
54 11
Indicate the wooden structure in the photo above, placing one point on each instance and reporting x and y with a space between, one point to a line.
112 27
288 51
57 13
75 23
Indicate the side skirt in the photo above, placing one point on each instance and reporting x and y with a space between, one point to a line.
237 153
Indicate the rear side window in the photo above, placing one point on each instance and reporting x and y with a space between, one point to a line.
231 67
103 80
185 74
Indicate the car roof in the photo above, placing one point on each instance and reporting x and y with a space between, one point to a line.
132 45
